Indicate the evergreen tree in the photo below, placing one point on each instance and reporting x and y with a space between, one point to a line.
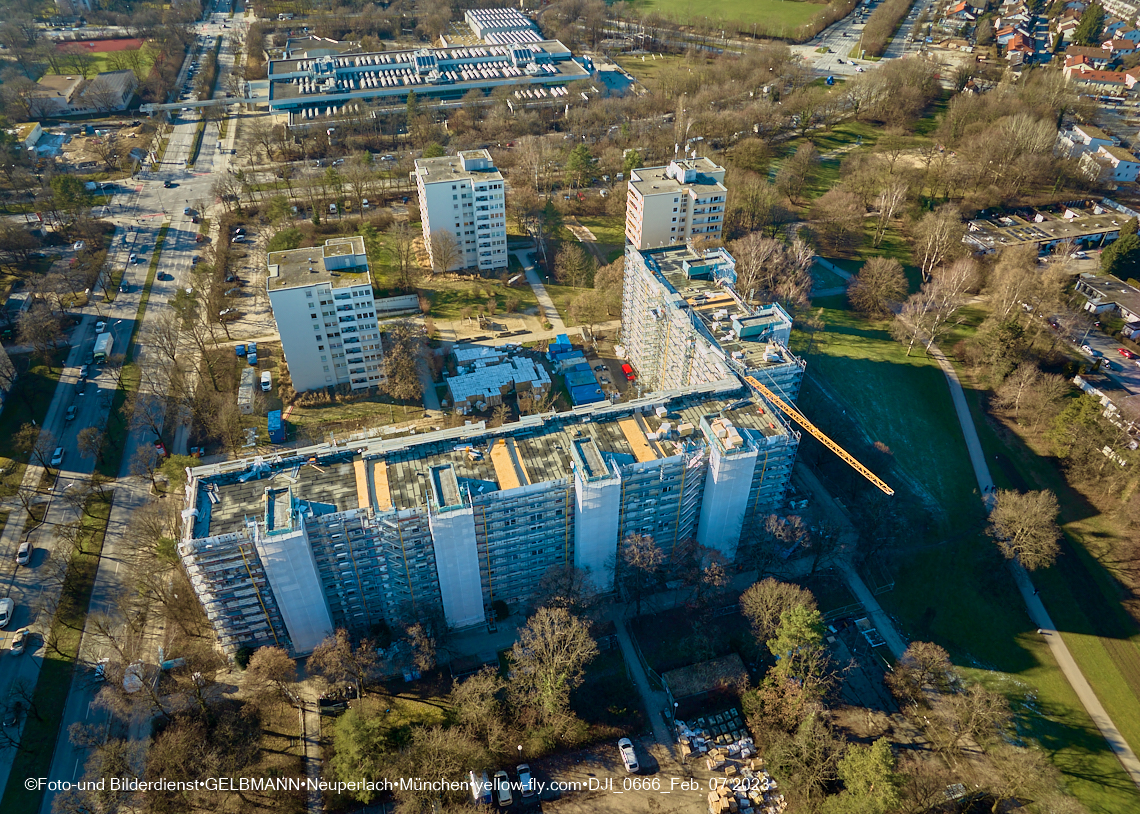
1088 31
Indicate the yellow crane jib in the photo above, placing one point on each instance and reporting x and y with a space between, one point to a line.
818 434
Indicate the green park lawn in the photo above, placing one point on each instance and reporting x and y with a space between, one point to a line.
951 586
772 13
109 61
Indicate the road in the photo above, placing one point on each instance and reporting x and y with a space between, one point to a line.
139 210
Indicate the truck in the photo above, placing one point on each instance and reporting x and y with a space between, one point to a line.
104 342
276 427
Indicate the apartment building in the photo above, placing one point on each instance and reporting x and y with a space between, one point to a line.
675 204
442 525
326 315
684 324
1110 164
463 196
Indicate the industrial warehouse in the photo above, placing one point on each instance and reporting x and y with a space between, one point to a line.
328 86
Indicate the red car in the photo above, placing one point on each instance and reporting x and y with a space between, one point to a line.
628 371
1127 354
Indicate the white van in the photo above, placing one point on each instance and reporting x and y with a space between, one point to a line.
266 380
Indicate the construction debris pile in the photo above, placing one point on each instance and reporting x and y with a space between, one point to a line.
728 748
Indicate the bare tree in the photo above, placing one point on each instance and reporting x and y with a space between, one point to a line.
891 199
446 251
640 565
936 236
878 286
1024 526
548 661
401 247
271 669
339 662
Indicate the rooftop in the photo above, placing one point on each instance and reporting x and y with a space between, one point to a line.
467 164
1119 153
1042 226
400 472
303 267
685 173
54 85
693 276
1109 289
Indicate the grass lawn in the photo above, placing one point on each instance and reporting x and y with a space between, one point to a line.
108 60
562 295
42 727
29 400
772 13
952 586
450 296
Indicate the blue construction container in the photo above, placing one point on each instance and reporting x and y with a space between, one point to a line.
276 427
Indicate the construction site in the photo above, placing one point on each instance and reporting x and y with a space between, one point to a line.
444 524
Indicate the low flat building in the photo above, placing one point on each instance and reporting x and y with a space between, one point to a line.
332 86
442 525
1088 226
502 26
72 95
325 312
483 385
1105 294
27 134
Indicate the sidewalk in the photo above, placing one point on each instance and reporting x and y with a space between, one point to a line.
544 302
1033 602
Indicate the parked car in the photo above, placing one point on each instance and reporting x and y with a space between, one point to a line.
100 326
57 456
266 381
526 782
79 245
20 641
332 209
132 678
628 756
24 553
1127 354
502 787
70 414
1090 350
80 387
628 371
13 713
364 204
124 288
480 789
168 184
7 608
185 210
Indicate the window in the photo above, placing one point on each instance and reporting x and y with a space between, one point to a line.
326 368
309 294
313 316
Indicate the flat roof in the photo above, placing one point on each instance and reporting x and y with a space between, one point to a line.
716 308
1042 226
404 471
1111 289
450 168
657 181
294 269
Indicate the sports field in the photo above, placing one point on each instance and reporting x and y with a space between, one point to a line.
769 14
105 55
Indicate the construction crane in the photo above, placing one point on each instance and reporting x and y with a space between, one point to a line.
818 434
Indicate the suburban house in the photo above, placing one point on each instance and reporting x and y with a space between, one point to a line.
1111 164
1098 58
1119 48
963 12
1115 82
1082 138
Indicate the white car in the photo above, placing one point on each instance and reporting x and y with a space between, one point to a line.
1090 350
628 756
24 554
20 641
132 678
502 786
7 608
80 245
57 456
100 326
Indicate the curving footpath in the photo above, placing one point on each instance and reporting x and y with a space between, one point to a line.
1033 602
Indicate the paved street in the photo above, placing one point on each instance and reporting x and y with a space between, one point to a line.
139 210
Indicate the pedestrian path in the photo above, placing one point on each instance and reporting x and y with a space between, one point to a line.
549 311
1033 602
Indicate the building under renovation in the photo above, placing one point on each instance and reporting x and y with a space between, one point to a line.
683 324
441 525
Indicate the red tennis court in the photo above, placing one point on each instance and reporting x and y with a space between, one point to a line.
100 46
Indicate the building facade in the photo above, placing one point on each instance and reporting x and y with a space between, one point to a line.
462 198
445 524
325 312
675 204
683 324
